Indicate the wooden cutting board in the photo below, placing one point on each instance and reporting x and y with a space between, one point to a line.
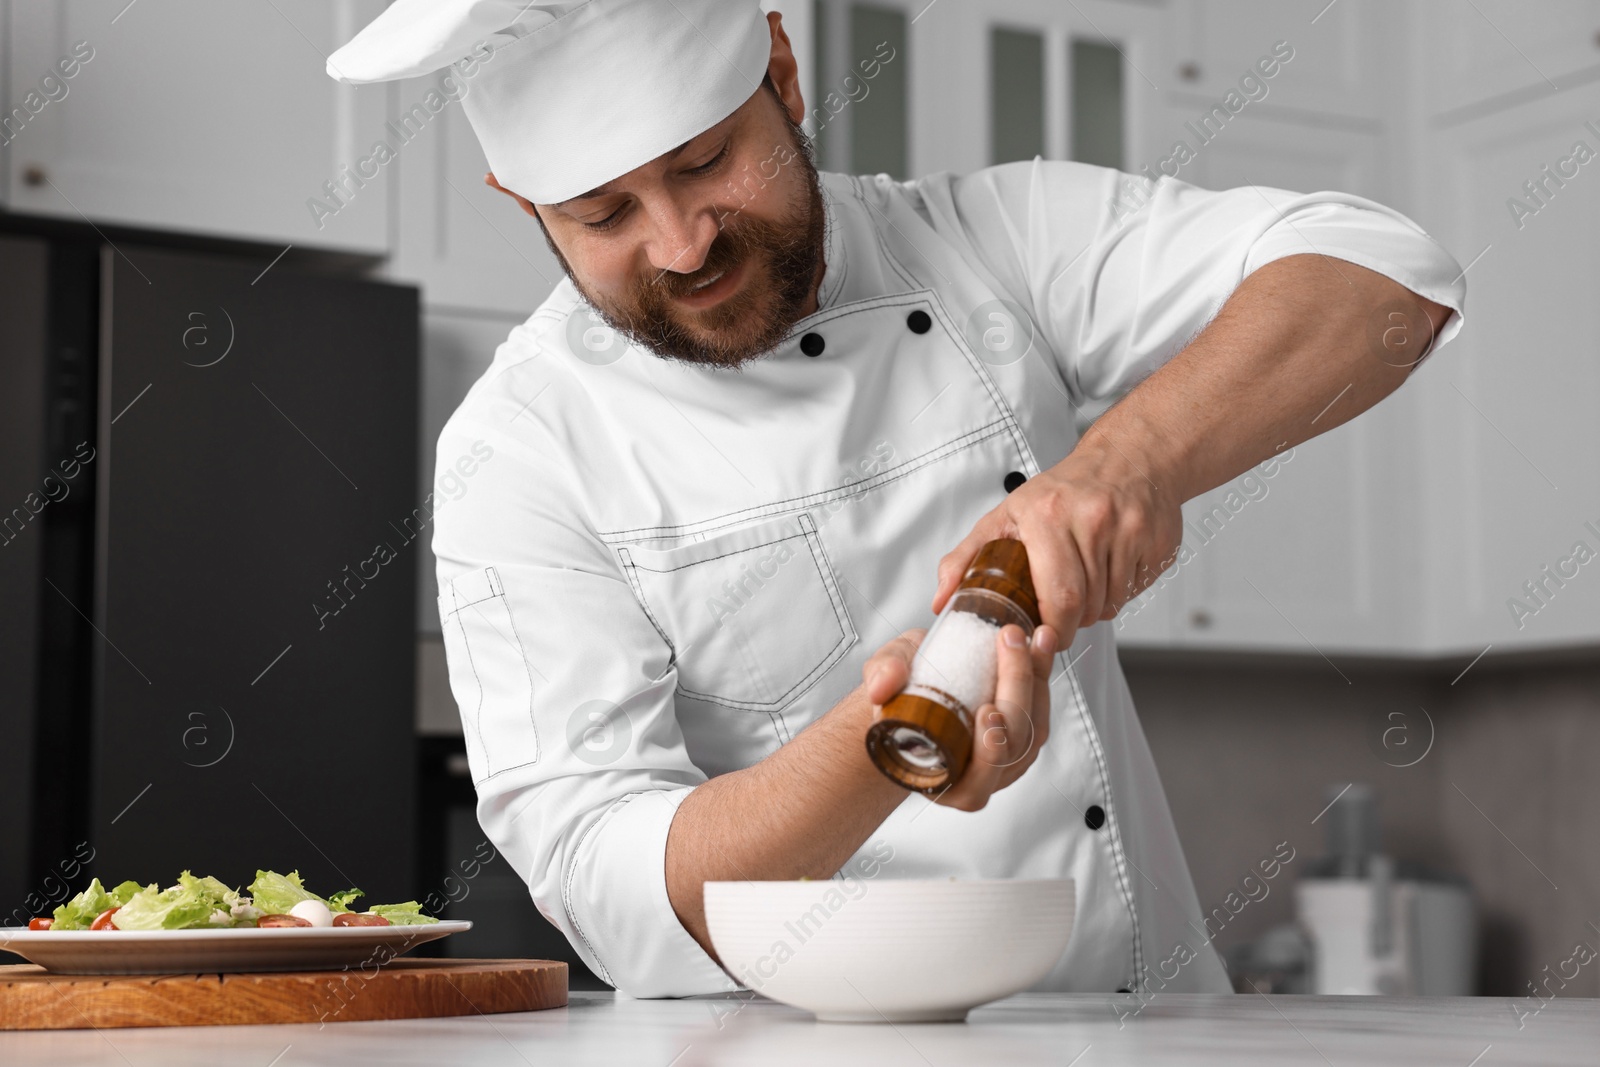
32 998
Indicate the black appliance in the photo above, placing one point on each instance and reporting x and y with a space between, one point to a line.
209 518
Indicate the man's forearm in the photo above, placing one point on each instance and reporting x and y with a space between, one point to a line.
1296 350
802 811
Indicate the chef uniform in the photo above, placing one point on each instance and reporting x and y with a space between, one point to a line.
666 571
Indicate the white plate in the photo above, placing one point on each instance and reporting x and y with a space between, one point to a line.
289 948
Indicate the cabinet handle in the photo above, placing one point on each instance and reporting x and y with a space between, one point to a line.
1189 72
33 175
1200 619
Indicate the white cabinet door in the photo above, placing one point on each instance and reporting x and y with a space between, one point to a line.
1296 555
1514 442
951 80
1338 55
1491 49
195 116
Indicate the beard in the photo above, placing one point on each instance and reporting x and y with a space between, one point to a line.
782 258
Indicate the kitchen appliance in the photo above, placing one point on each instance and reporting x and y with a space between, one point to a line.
209 663
1377 926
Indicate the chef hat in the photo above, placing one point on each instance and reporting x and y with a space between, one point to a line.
574 92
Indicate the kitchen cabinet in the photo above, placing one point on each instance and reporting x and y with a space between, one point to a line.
1490 53
951 95
1513 449
167 123
1340 52
1463 513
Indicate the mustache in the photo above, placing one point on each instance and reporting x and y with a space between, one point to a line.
730 247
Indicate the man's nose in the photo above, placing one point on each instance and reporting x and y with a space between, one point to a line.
682 238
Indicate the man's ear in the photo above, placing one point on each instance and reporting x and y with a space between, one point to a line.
784 70
527 205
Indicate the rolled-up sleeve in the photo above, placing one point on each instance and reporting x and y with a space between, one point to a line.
1120 272
565 690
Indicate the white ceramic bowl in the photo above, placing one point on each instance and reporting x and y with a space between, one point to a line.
906 950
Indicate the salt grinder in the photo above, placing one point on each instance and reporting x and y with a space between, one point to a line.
922 738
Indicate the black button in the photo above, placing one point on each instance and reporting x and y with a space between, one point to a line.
919 321
1015 479
1095 817
812 344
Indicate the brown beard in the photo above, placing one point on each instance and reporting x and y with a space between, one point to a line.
783 256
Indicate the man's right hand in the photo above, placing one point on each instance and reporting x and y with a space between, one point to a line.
1008 733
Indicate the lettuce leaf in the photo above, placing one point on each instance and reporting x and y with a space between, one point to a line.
83 909
204 902
276 893
407 914
340 901
188 905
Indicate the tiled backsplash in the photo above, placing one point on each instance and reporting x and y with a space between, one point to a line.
1507 795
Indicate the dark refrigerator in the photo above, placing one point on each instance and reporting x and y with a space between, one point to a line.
208 521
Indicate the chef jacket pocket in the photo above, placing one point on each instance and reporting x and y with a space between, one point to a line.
754 616
489 674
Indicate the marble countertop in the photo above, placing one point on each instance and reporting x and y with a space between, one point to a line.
1058 1029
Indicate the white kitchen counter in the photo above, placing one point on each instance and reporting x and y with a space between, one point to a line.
1057 1029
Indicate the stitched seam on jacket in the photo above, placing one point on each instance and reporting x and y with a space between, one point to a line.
811 677
1113 823
527 670
844 258
733 518
995 396
524 657
466 644
638 594
566 886
905 275
721 555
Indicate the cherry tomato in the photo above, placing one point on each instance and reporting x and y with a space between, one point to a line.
103 920
281 920
351 918
41 923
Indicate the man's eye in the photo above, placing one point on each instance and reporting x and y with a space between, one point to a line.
710 165
607 222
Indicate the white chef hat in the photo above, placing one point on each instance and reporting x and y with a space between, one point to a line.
575 92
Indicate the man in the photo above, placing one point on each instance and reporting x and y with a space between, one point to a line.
769 413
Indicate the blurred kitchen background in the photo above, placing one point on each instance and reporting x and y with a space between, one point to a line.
240 330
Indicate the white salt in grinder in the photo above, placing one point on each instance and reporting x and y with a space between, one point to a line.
922 738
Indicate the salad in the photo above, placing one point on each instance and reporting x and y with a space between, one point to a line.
272 900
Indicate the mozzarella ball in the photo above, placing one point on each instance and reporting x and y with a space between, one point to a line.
314 912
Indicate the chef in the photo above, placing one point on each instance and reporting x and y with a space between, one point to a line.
744 451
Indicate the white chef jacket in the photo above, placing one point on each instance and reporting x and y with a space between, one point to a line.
665 572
